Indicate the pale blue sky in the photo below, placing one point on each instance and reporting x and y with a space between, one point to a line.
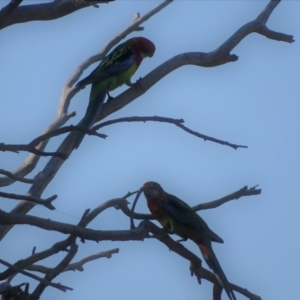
254 102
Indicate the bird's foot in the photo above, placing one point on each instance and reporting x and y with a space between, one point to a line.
109 97
138 84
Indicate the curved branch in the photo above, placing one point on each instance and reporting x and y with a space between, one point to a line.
8 9
43 11
84 233
177 122
62 130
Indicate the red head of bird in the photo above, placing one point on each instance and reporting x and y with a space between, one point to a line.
142 45
152 189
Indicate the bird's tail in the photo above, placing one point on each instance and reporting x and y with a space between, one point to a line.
97 97
215 266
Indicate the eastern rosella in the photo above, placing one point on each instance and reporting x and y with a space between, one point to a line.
115 69
178 217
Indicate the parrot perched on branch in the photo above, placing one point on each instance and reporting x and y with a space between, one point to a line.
178 217
115 69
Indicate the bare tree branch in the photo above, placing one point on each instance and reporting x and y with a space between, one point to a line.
55 285
217 57
13 176
62 130
123 204
32 149
46 202
43 11
8 9
55 272
57 247
76 265
245 191
83 233
177 122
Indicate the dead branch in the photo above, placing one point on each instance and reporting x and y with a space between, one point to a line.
13 176
244 191
55 285
62 130
76 265
177 122
55 271
42 11
83 233
46 202
8 9
31 149
57 247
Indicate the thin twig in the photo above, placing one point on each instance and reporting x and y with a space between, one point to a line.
55 272
55 285
62 130
44 11
76 265
31 149
244 191
46 202
15 177
177 122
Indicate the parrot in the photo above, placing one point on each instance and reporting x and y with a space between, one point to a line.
114 70
178 217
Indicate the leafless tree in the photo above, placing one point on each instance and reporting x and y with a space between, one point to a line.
15 13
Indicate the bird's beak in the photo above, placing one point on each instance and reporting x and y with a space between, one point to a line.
151 54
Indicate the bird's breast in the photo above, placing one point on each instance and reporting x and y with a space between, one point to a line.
122 78
155 209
